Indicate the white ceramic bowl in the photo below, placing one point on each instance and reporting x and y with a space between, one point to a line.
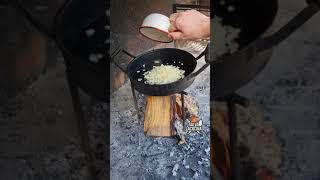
156 27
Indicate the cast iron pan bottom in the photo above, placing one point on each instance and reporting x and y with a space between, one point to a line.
78 17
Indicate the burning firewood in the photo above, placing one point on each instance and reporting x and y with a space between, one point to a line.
190 105
163 115
191 114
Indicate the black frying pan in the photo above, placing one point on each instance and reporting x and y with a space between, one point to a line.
71 21
167 56
257 40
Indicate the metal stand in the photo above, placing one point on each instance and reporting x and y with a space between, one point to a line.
82 126
183 93
232 100
135 101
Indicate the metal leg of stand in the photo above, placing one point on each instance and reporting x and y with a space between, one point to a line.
233 141
183 113
135 101
232 100
82 127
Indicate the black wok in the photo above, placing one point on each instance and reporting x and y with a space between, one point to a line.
255 19
180 58
70 25
72 20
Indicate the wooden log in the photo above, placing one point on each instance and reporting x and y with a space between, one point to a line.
159 116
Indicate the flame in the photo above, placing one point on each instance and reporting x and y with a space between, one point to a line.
194 119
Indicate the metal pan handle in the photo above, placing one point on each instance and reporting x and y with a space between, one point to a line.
304 15
205 53
201 54
115 53
199 71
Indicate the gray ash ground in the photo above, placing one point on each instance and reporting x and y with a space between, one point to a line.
136 156
287 92
38 133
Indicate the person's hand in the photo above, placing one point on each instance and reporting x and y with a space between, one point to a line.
189 25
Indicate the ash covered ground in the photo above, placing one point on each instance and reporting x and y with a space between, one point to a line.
287 92
38 132
136 156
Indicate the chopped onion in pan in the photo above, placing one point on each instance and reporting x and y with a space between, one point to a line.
163 74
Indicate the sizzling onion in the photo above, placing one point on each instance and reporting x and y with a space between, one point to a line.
163 74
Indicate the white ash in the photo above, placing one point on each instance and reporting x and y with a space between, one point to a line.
207 151
179 129
90 32
95 57
224 38
196 175
127 113
231 8
184 162
171 153
107 12
175 169
107 27
107 41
